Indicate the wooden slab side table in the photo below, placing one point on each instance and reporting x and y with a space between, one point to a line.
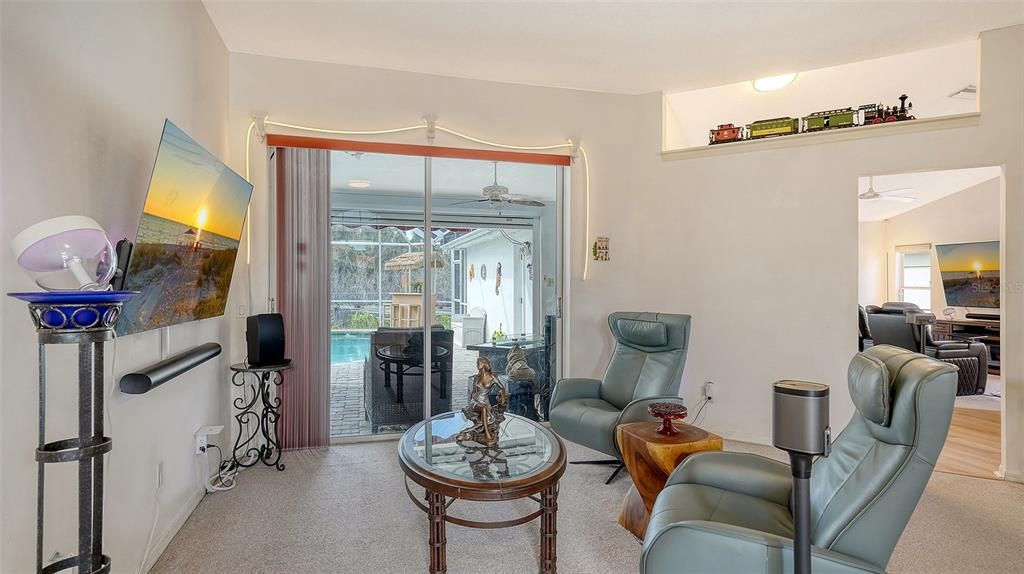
650 458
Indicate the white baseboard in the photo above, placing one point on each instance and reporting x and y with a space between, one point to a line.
739 437
161 542
1010 476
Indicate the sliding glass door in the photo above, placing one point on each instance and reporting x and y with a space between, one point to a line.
495 224
378 316
467 248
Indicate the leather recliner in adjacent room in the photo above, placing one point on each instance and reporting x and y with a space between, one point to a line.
863 329
646 367
888 326
731 512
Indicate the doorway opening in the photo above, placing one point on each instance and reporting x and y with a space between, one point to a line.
930 241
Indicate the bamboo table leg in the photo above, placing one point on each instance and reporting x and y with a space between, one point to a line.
438 542
548 529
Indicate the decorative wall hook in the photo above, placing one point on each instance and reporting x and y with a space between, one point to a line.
261 126
431 123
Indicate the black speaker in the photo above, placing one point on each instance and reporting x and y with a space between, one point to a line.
264 338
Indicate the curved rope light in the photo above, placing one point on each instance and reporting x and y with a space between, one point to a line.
347 132
495 144
423 126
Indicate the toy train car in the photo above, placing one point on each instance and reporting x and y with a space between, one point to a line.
773 127
830 120
725 133
819 121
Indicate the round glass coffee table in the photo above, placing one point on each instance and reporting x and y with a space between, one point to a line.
527 462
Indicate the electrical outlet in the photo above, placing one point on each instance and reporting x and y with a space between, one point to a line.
159 474
201 443
709 391
202 437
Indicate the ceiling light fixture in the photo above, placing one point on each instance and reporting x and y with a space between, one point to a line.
358 183
772 83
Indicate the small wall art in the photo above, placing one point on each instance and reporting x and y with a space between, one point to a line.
600 249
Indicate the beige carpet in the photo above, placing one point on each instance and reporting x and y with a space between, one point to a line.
345 509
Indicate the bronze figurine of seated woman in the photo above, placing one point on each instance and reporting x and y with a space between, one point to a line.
485 417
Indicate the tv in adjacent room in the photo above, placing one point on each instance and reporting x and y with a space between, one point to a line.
188 237
970 273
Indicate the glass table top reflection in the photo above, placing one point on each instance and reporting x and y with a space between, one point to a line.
524 448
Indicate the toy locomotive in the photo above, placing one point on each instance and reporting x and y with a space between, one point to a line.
866 114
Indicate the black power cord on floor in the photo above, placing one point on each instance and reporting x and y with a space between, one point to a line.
703 404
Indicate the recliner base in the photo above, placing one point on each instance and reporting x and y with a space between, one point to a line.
615 473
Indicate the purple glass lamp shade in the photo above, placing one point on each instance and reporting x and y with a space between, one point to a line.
66 253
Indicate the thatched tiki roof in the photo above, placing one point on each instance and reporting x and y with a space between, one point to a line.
412 261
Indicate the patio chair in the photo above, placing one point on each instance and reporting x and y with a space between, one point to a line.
393 389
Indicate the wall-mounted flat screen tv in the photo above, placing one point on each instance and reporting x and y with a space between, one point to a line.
188 237
970 273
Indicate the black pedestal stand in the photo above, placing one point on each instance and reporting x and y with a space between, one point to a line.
801 466
88 325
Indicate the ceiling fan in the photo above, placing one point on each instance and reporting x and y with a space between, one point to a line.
872 194
496 195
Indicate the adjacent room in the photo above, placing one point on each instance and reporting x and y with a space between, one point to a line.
502 287
929 245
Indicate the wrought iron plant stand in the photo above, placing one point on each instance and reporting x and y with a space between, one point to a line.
250 450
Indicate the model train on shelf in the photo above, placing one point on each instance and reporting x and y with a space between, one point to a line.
867 114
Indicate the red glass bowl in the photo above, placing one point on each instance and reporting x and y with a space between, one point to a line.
667 412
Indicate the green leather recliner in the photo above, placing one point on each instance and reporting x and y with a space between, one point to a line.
646 366
726 512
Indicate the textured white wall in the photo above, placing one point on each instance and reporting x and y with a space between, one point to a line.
872 263
86 89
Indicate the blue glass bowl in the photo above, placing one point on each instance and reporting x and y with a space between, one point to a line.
75 310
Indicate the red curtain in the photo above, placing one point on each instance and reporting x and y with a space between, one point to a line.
303 257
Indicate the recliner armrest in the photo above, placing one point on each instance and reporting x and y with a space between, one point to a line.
738 472
699 547
960 349
568 389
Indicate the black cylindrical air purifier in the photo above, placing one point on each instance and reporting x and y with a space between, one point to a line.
800 427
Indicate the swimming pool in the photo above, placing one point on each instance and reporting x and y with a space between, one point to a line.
349 347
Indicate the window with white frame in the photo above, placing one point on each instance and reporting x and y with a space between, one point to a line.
914 274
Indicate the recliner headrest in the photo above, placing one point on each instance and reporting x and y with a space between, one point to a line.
899 308
650 332
642 333
870 388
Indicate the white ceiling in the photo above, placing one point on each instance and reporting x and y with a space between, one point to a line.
403 175
624 47
925 187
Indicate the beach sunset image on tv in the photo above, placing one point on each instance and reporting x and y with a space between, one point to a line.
970 273
188 237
